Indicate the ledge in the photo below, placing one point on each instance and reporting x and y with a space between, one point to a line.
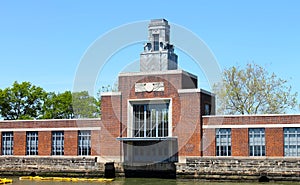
146 138
196 91
111 94
149 73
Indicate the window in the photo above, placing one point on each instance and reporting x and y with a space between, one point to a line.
57 143
257 146
223 142
151 120
31 143
7 143
207 109
156 42
84 142
291 141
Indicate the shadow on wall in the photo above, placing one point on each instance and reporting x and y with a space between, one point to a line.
155 170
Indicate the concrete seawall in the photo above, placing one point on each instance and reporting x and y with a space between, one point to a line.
55 166
229 168
202 168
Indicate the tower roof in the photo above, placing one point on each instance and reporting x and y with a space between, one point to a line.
158 53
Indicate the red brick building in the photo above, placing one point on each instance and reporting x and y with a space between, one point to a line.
252 135
158 115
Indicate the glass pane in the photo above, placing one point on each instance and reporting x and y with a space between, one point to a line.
150 117
223 142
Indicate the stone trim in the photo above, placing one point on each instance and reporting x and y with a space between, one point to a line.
195 91
149 73
253 126
48 129
111 94
250 115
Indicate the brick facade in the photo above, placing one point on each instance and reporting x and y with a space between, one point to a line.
273 126
239 140
189 132
111 127
19 143
195 134
71 143
187 128
45 129
44 146
274 142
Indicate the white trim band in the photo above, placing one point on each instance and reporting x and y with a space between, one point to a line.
49 129
253 126
111 94
195 91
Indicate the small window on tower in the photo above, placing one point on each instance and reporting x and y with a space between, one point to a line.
207 109
156 42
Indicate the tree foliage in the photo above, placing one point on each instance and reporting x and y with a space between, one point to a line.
58 106
22 101
85 106
26 101
253 90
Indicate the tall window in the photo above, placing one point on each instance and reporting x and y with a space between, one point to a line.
7 143
223 142
257 146
57 143
207 109
156 42
31 143
151 120
84 142
291 141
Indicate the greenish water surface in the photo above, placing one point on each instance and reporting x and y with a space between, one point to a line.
138 181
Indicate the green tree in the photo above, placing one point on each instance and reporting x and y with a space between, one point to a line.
22 101
58 106
84 105
253 90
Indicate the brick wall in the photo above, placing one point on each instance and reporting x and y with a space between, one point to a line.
208 142
187 107
1 143
172 82
188 127
19 143
274 142
274 135
71 143
111 126
45 127
45 141
239 142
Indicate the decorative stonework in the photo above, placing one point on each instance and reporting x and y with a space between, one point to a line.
149 87
158 54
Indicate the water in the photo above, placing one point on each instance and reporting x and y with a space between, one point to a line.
135 181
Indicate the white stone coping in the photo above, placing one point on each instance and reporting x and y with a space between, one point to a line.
111 94
249 115
195 91
253 126
48 129
51 120
151 73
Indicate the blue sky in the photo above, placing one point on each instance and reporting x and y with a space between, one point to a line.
44 42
